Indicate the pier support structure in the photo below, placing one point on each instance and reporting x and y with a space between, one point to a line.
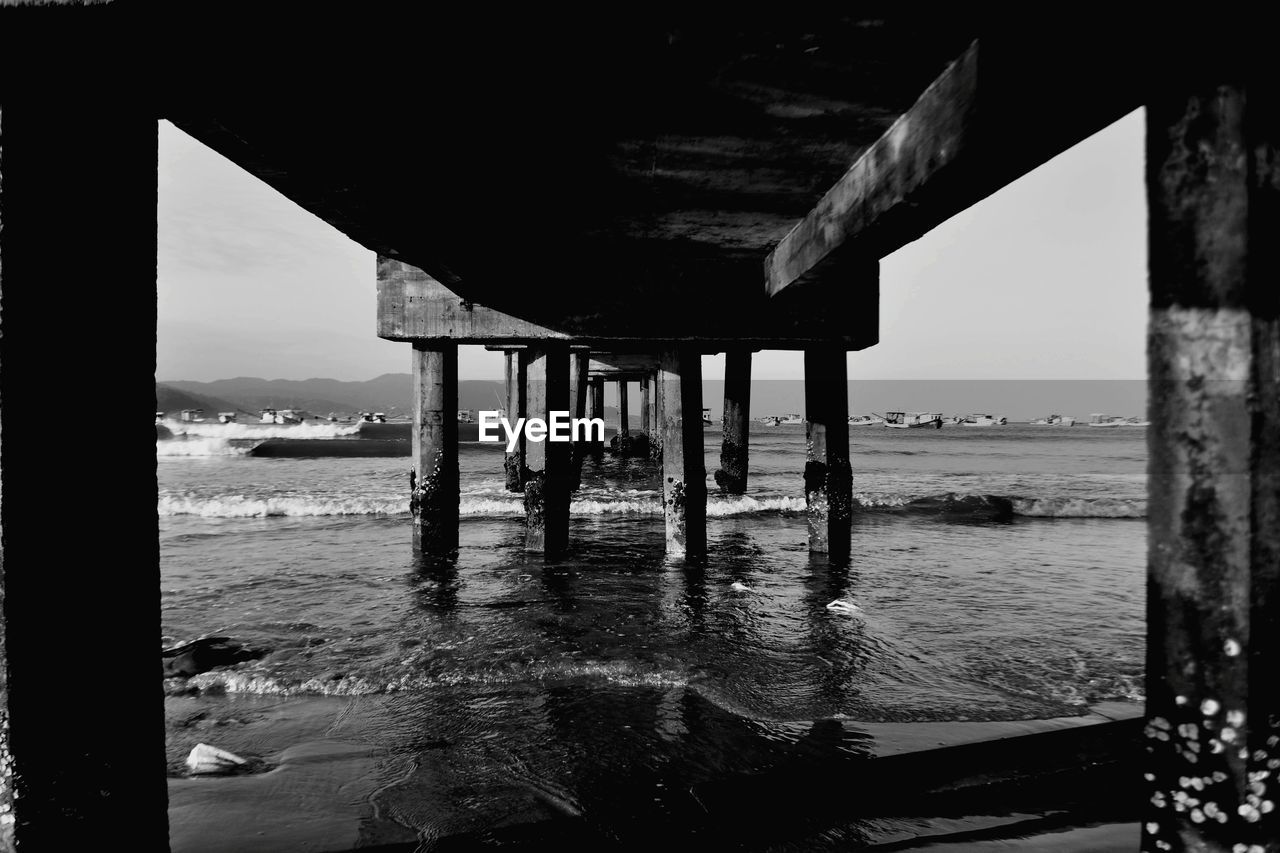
434 478
828 480
546 488
645 407
684 487
597 409
624 419
1213 351
732 475
578 380
514 375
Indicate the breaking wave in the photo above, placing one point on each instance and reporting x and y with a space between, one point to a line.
203 447
312 430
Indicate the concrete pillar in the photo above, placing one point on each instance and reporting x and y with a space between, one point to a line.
732 476
624 420
1213 518
513 465
597 397
655 430
546 488
578 380
434 478
684 487
85 771
828 481
645 408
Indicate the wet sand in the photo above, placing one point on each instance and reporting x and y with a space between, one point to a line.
323 770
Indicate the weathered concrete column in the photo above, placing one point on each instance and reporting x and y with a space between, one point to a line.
645 407
434 478
546 488
580 364
624 420
1213 356
828 481
655 430
597 410
684 486
513 465
732 476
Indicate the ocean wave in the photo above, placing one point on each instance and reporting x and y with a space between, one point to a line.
202 447
1079 507
261 683
634 504
310 430
243 506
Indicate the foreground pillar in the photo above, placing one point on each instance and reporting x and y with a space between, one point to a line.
1213 577
434 478
85 770
684 487
732 476
513 465
546 488
828 482
655 431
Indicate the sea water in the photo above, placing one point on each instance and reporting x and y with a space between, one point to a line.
615 667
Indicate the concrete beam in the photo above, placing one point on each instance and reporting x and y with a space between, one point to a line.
1002 108
1213 350
610 362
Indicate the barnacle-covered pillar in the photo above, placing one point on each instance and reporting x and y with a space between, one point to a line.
434 478
732 475
1213 357
654 427
828 482
684 487
546 488
513 464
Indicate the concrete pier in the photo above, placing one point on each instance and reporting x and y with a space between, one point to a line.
732 475
646 413
513 464
433 498
546 488
578 381
828 482
684 488
1213 355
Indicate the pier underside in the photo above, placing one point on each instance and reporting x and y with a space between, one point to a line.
648 190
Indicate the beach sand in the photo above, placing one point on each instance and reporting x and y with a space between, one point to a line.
325 781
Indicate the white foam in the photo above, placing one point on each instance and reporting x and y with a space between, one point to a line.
239 506
307 430
201 447
1080 507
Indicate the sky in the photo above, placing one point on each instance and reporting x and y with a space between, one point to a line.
1045 279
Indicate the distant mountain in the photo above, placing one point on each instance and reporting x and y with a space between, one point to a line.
172 400
391 393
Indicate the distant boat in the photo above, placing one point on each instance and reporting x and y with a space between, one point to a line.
192 416
865 420
226 417
706 417
281 416
464 417
791 418
373 418
771 420
983 420
1055 420
1097 419
913 420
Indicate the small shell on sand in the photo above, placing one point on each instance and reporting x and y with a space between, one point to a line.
205 759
